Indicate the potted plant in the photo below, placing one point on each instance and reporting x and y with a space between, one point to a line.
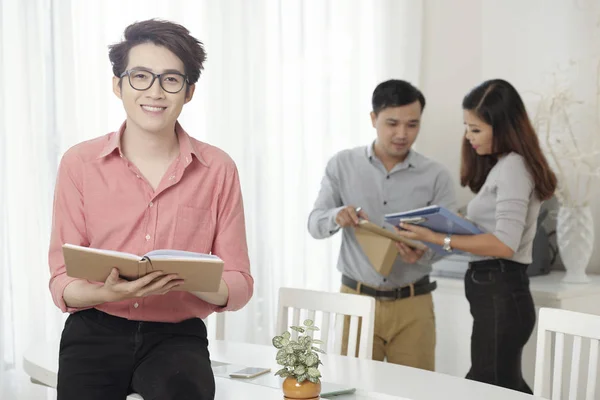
300 361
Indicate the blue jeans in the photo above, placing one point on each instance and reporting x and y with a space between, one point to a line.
503 320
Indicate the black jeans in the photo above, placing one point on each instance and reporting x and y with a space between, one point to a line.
503 320
106 357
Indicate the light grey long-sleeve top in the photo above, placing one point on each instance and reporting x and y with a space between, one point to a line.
357 177
508 207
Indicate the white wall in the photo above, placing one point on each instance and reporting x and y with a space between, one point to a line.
469 41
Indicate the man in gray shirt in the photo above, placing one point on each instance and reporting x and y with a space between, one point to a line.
385 177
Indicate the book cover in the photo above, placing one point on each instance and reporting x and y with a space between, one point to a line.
200 272
438 219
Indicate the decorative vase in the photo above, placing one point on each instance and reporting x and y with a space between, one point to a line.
575 240
305 390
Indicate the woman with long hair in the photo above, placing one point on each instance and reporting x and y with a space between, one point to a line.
503 164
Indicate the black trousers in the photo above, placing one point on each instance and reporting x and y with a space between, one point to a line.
503 320
106 357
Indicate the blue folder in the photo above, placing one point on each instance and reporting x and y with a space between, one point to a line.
438 219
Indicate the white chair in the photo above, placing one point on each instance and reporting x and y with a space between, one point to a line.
331 306
581 327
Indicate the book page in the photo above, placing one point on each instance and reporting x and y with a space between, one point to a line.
422 210
165 254
103 251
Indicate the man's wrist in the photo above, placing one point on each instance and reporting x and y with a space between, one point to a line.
333 219
106 295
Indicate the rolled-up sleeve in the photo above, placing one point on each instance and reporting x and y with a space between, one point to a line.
321 221
514 189
230 243
68 224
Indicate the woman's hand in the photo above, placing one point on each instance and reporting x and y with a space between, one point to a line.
416 232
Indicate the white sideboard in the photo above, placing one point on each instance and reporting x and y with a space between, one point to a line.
454 321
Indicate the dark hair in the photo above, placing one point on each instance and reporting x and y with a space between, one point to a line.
174 37
498 103
395 93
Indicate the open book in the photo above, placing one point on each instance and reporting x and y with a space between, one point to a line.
200 272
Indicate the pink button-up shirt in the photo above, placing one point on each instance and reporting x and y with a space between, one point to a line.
102 201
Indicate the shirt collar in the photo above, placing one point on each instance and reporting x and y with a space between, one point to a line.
113 142
186 147
411 160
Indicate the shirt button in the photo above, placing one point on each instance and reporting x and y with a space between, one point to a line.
139 177
136 305
147 237
385 203
387 177
151 204
172 177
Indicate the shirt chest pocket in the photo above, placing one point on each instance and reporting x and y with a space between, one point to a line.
194 229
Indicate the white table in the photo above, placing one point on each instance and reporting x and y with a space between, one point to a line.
373 380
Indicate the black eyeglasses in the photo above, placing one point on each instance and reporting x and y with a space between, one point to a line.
170 82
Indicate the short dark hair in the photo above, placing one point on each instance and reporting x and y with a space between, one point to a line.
395 93
498 104
168 34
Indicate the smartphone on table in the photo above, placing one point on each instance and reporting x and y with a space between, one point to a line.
249 372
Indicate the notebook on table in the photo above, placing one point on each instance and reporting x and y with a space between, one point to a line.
200 272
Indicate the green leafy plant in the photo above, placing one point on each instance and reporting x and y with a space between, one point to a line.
299 358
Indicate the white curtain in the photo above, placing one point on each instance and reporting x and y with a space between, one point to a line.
28 154
286 85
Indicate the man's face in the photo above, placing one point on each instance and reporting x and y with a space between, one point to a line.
397 128
154 109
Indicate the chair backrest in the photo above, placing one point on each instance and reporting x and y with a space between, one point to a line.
215 326
332 307
560 323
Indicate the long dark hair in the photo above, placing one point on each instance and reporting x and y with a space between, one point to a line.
498 103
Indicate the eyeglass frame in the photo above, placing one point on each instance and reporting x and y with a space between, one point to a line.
154 76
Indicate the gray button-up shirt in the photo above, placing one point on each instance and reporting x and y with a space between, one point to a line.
357 177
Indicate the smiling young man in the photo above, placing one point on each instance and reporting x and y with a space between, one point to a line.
383 177
147 186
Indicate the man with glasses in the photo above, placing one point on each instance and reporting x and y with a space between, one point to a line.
147 186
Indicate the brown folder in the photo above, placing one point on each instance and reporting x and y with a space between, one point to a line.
378 245
200 272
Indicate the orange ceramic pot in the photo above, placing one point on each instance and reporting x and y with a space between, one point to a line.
305 390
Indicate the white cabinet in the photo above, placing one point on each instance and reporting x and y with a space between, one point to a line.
454 322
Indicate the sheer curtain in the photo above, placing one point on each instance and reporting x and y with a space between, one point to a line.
28 149
286 85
